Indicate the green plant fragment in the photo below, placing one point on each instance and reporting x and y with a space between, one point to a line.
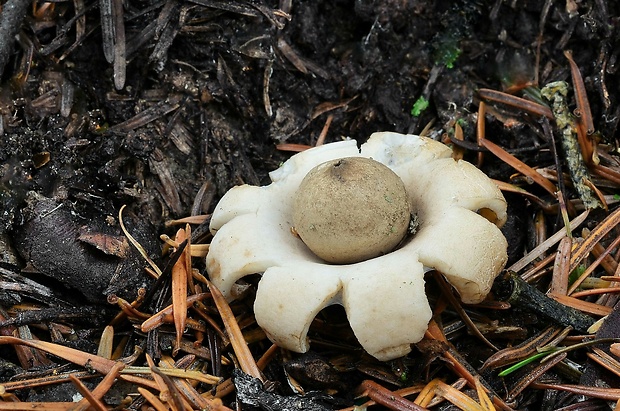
419 106
522 363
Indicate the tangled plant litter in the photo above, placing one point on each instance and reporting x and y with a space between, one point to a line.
369 83
252 227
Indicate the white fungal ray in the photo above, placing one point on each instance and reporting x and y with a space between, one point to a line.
304 290
386 303
384 297
465 247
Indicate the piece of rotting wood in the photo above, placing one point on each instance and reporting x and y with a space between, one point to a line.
511 288
11 17
556 93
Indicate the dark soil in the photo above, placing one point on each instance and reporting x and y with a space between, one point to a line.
194 97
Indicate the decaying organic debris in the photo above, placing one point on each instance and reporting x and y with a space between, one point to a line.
163 106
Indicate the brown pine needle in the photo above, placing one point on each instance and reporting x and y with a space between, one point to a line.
548 243
157 319
559 280
195 219
42 381
596 291
583 105
387 398
106 343
604 227
594 265
183 385
605 360
481 129
533 375
403 392
520 166
188 260
129 311
321 139
81 358
584 306
136 244
604 393
179 291
246 361
483 397
267 356
295 148
457 152
152 399
511 188
91 400
458 364
516 102
139 381
456 304
42 406
511 355
439 388
159 380
93 397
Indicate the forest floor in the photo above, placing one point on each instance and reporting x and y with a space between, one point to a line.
163 106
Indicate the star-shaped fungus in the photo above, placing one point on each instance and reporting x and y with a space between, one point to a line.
335 226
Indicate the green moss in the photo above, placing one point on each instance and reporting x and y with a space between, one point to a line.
457 24
419 106
448 53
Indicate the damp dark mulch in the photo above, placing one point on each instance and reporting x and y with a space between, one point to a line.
163 106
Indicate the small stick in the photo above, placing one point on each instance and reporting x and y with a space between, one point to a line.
519 293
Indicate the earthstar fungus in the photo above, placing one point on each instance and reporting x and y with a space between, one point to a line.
384 296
